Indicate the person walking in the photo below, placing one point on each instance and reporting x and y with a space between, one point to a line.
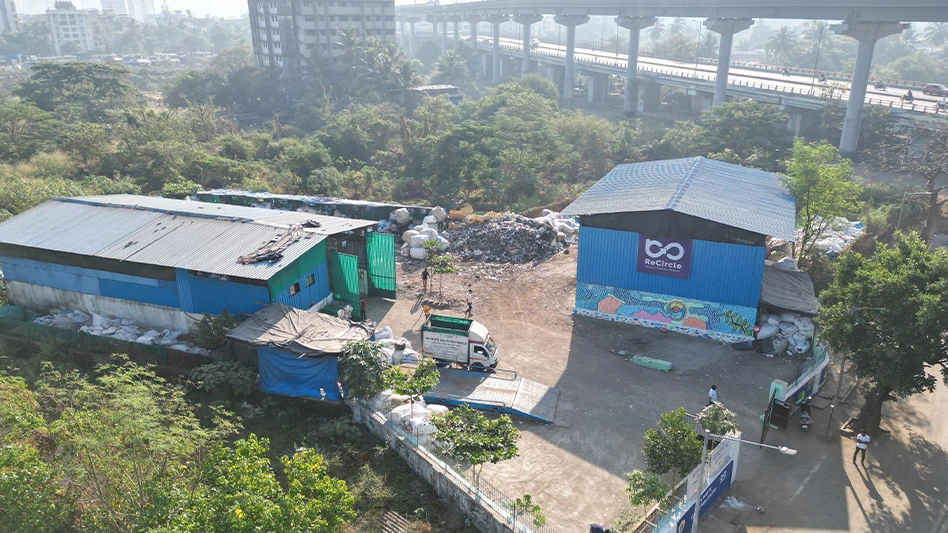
470 303
713 395
362 308
862 442
424 279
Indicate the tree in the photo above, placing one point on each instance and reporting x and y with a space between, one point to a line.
87 141
932 165
645 488
362 368
451 69
747 128
24 130
439 263
937 34
673 446
781 45
890 313
468 436
78 89
524 506
718 419
423 378
823 188
677 27
656 32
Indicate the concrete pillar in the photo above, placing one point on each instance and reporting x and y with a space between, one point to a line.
598 85
495 21
444 35
795 123
635 25
867 33
412 40
726 28
701 101
473 21
404 36
651 96
526 21
457 34
570 21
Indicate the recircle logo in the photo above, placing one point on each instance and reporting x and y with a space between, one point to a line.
665 257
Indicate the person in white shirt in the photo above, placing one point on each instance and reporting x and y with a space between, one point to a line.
862 442
713 395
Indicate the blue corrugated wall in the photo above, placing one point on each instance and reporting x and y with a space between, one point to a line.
307 295
88 281
199 294
723 273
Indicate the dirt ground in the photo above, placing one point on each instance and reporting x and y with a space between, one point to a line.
575 467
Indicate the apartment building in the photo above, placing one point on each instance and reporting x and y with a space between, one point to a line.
8 22
288 34
114 7
70 28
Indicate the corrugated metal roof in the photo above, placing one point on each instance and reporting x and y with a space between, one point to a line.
328 225
171 233
310 200
729 194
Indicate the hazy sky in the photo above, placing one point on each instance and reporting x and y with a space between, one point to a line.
220 8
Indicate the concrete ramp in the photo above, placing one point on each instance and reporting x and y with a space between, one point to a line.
500 391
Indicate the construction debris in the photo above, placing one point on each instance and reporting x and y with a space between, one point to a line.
273 250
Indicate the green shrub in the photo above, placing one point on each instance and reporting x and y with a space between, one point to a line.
212 330
228 379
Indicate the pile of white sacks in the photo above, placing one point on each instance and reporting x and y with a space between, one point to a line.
413 418
792 333
415 238
394 351
118 328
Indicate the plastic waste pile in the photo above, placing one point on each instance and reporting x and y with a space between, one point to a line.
118 328
394 351
509 238
414 238
413 418
838 236
792 333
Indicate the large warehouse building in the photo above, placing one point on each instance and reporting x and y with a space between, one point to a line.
168 262
679 245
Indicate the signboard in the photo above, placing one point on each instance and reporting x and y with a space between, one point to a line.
709 495
664 257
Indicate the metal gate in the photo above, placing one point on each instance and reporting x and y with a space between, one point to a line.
344 280
380 257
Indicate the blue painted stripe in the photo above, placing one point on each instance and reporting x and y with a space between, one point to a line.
723 273
89 281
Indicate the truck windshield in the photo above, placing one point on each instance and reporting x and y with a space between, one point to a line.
491 347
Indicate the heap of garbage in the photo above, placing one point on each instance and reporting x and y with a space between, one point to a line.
792 333
838 235
117 328
493 237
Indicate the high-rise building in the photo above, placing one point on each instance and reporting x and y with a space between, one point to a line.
141 10
70 28
114 7
8 21
289 34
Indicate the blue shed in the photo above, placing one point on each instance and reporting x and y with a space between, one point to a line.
679 245
166 263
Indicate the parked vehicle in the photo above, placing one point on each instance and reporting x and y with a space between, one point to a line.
805 412
935 89
458 340
534 43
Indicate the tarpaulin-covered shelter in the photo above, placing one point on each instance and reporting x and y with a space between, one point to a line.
679 245
788 290
296 351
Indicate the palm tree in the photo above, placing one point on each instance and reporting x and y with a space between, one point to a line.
656 32
677 27
709 45
782 44
937 34
451 69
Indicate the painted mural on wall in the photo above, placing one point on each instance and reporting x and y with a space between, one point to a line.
728 323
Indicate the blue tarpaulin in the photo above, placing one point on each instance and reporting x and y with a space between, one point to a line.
286 374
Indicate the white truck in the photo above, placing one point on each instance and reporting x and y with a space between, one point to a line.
458 340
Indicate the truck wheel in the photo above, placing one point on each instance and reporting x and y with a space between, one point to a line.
477 367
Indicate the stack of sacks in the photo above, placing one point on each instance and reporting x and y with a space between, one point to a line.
792 333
